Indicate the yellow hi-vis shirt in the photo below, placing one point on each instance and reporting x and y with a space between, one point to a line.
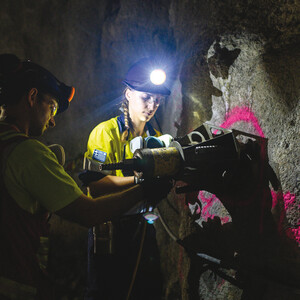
35 179
105 146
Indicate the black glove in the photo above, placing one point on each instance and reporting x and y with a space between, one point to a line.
156 189
87 177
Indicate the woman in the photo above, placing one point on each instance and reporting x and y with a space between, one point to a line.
113 247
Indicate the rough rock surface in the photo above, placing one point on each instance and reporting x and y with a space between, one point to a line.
235 64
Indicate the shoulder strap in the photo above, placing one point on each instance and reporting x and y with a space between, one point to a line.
9 139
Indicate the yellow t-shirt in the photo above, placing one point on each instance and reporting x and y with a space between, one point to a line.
35 179
105 146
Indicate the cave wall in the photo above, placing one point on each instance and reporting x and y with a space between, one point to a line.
235 64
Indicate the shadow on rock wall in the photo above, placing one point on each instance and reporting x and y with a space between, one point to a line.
283 67
221 61
197 89
197 86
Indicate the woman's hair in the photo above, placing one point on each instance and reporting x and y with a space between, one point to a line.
124 106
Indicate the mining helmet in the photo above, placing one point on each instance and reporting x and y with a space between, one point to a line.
147 75
28 74
48 83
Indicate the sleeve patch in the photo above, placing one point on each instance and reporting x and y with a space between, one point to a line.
99 155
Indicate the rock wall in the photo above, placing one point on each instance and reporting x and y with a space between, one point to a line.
234 64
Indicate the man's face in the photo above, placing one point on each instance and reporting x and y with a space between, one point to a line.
44 111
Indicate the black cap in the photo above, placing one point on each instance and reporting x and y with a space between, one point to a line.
138 77
14 73
48 83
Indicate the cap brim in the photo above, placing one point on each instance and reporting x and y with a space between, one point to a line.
64 97
149 88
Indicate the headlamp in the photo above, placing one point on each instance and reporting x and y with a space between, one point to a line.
158 76
147 75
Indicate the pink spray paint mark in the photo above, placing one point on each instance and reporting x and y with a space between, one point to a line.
244 114
289 199
209 202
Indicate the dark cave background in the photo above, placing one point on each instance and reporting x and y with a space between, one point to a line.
232 63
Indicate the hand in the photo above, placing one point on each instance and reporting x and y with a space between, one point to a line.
86 177
138 177
156 189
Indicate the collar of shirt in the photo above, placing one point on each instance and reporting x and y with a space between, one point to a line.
121 123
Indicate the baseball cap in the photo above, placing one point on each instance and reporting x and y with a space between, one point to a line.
48 83
15 73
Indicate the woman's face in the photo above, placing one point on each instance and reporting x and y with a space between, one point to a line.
142 105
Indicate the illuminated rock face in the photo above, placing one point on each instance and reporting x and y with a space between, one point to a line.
235 64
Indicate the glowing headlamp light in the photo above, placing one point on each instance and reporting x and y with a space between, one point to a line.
158 76
150 217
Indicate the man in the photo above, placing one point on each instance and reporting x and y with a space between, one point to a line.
32 181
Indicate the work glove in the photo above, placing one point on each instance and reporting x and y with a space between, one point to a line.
86 177
156 189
